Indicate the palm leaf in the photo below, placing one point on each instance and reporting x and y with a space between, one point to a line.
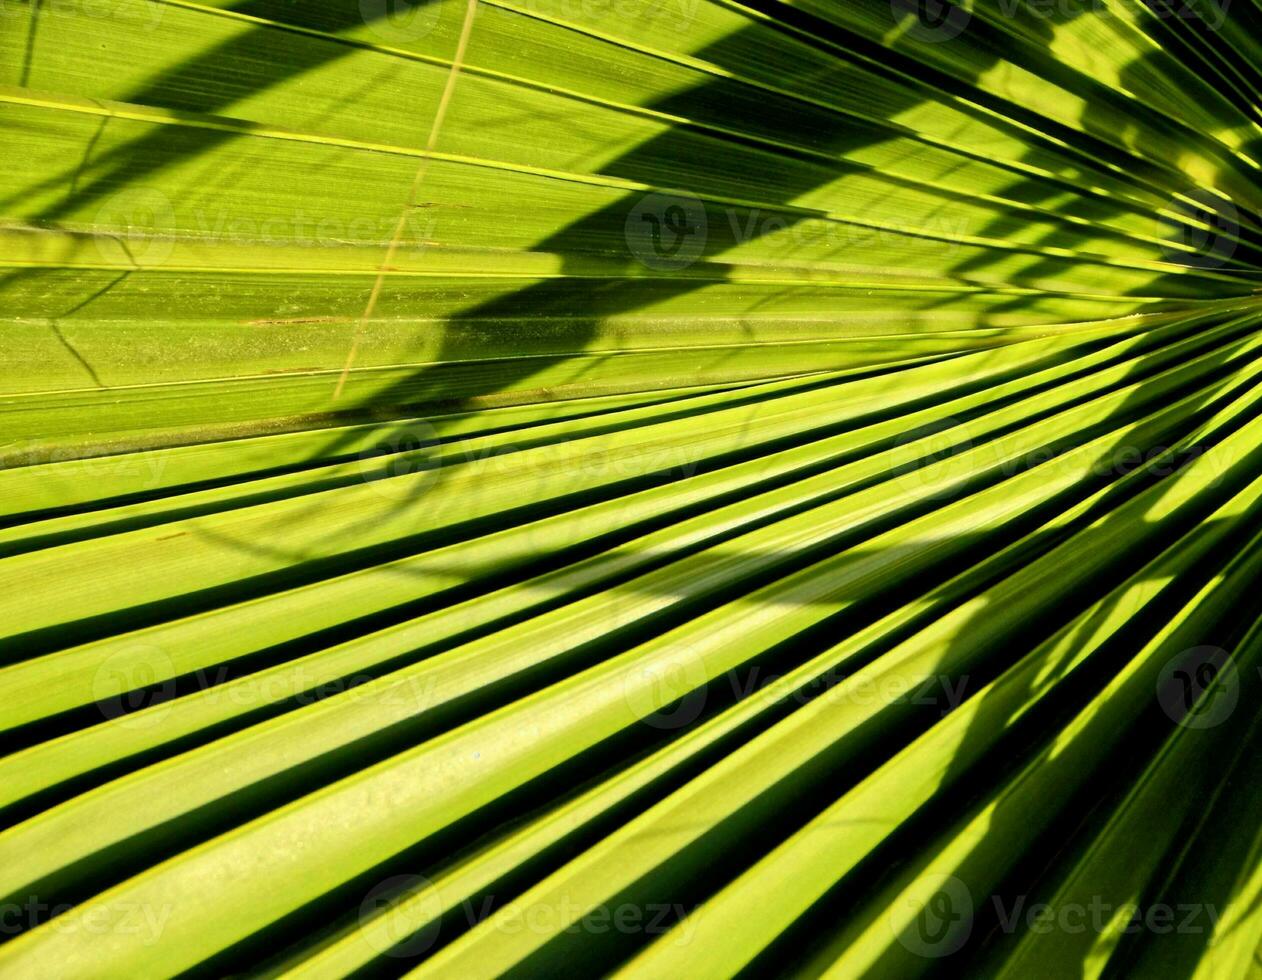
676 487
